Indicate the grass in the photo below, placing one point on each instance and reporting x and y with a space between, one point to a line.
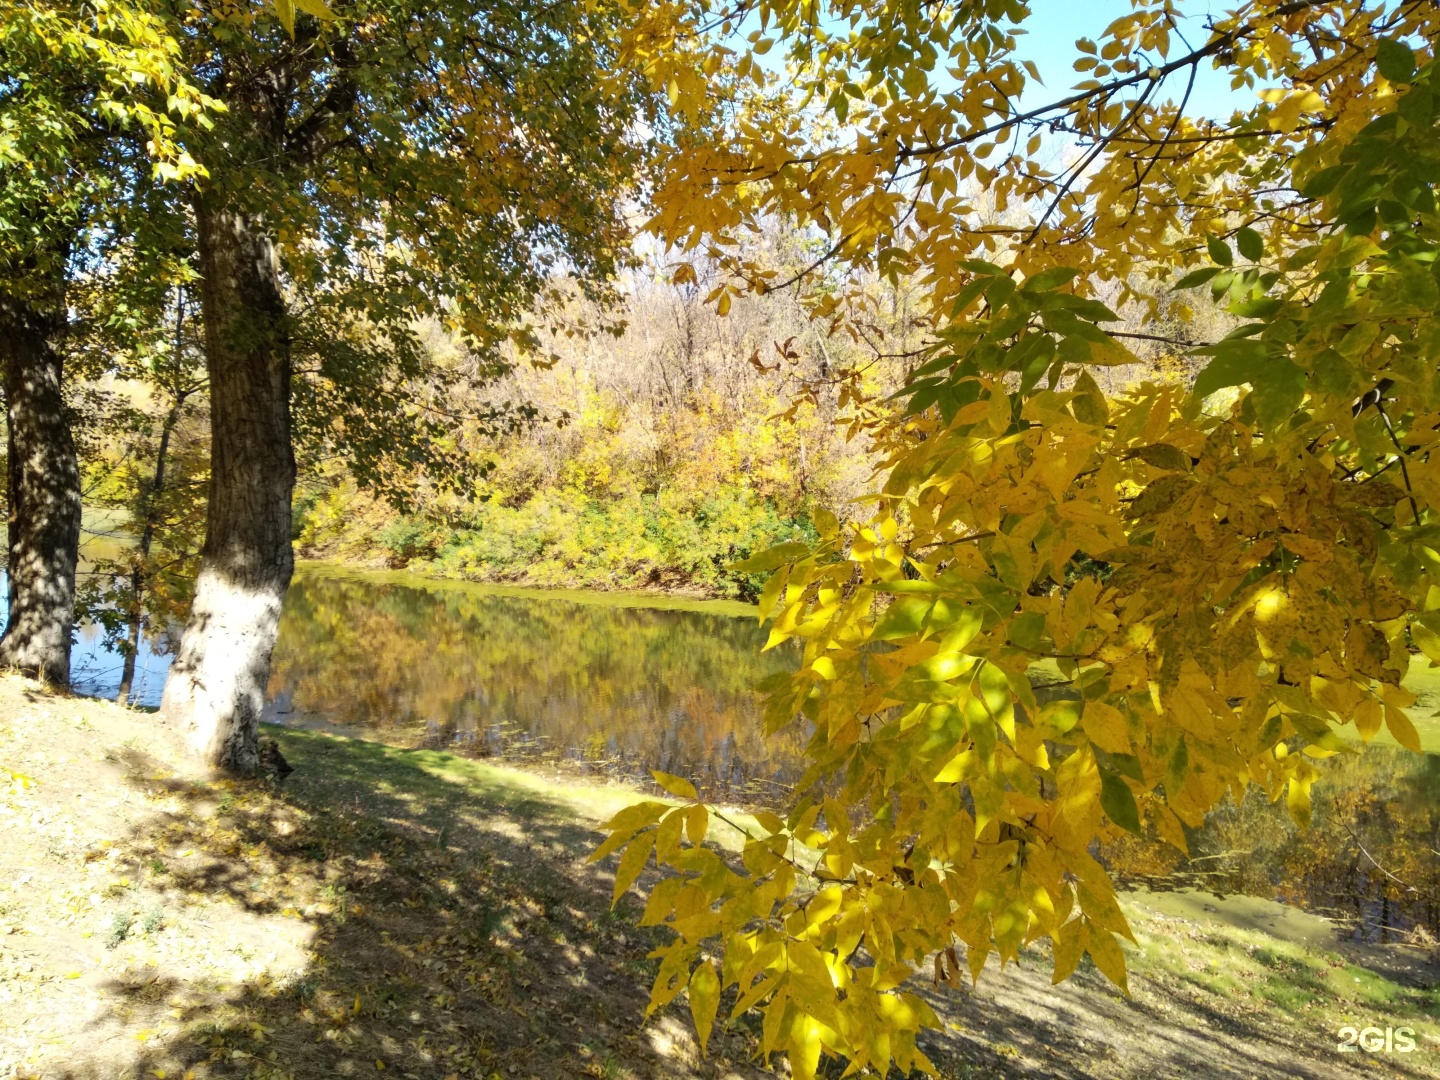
1251 970
431 914
434 886
119 930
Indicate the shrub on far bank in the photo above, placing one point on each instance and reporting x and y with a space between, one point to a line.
563 538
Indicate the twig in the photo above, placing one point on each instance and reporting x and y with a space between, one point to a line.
1404 471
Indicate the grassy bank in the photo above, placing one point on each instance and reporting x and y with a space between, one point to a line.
414 914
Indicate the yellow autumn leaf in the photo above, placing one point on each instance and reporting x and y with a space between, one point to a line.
697 821
704 994
1107 727
1105 950
675 785
1402 729
631 864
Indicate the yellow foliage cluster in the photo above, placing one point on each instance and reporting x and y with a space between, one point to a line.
1228 584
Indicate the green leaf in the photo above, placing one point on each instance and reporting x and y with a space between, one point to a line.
316 8
1050 279
1128 765
1417 106
704 994
1177 768
1262 308
1235 363
967 296
1162 456
1028 630
1317 732
1037 364
931 367
904 618
1324 182
770 558
1196 277
1219 250
998 291
1395 60
1250 244
1083 306
675 785
1279 387
1087 401
1118 802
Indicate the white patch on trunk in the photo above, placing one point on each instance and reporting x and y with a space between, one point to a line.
216 688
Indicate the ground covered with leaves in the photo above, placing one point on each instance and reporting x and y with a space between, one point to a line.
413 914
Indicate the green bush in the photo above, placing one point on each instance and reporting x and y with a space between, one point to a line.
567 538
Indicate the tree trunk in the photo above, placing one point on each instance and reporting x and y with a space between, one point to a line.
44 491
216 687
132 639
138 577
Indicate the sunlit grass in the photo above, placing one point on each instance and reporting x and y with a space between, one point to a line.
1313 979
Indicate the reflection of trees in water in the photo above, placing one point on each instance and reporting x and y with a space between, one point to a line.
1384 801
616 689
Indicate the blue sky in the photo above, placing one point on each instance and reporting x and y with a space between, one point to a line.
1049 40
1054 26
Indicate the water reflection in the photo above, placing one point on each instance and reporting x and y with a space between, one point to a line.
95 667
608 688
1370 859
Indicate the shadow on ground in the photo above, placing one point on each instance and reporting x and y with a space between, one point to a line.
455 930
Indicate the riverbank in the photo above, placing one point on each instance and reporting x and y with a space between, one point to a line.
417 914
670 542
419 577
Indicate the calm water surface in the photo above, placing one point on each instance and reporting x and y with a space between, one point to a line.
613 687
592 681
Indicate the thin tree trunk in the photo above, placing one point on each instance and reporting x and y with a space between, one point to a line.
216 687
138 581
44 491
152 496
132 639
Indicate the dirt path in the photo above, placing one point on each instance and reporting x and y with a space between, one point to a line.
412 914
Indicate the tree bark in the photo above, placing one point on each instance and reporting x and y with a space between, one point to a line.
216 687
44 490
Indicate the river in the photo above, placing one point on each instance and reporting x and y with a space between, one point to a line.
612 685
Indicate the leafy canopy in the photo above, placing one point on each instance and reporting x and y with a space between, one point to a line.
93 104
413 162
1221 581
